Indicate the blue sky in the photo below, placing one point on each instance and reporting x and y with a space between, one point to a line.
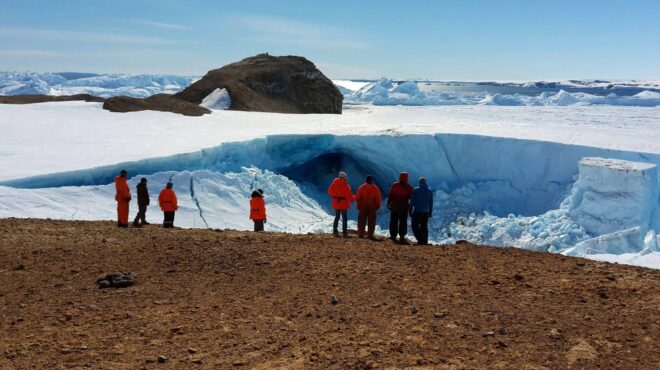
459 40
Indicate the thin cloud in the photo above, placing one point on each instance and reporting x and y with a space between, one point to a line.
96 37
281 31
31 53
168 26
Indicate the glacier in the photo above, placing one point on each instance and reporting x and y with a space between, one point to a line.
105 86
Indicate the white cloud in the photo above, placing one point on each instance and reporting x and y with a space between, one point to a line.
96 37
169 26
281 31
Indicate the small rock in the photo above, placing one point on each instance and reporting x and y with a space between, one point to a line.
162 359
603 295
580 263
501 344
494 282
439 315
610 277
489 334
518 277
555 334
238 363
461 241
192 350
19 267
334 300
197 361
414 310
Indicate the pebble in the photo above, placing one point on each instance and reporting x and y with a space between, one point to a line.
196 361
439 315
414 310
489 334
162 359
192 350
334 300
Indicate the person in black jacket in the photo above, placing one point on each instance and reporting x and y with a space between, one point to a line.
143 202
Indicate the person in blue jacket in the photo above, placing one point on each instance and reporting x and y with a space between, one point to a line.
420 210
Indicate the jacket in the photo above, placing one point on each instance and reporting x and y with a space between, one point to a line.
368 197
341 194
122 191
399 195
422 200
167 200
257 208
142 195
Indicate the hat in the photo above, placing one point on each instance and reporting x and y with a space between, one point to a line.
169 185
370 179
422 180
260 191
342 175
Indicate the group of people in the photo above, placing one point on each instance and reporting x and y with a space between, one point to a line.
402 201
166 199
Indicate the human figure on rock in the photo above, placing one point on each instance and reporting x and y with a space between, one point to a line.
421 209
169 204
367 199
258 210
342 197
143 203
123 198
397 202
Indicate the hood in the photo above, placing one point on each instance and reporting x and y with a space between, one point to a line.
403 177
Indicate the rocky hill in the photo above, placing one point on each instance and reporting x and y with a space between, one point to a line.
228 299
266 83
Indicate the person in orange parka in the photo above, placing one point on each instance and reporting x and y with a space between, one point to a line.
258 209
169 204
342 197
368 200
123 198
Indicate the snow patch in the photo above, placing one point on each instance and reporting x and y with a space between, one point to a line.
219 99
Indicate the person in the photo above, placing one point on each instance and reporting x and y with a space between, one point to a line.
368 201
143 202
397 202
258 210
421 209
169 204
342 197
123 198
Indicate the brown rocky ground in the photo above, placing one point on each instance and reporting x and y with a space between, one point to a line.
228 299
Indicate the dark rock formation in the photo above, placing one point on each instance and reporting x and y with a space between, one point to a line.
158 102
266 83
30 99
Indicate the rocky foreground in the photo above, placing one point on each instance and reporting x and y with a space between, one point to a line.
229 299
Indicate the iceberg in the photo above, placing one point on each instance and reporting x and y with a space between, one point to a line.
219 99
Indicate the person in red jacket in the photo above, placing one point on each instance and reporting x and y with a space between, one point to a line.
368 200
342 197
397 201
123 198
169 204
258 209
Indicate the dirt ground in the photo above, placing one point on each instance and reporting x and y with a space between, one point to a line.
239 300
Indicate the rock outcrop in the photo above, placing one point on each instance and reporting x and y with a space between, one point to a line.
266 83
158 102
30 99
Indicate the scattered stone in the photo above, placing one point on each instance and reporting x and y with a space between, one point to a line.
555 334
501 344
518 277
192 350
334 300
581 351
414 310
610 277
196 361
120 280
489 334
439 315
238 363
461 241
494 282
602 294
162 359
19 267
580 263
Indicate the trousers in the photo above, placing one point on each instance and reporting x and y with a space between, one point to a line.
366 218
420 227
122 213
168 220
344 225
141 216
398 224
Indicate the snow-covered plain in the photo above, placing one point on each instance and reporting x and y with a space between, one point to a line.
502 175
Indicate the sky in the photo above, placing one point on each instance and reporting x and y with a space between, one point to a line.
465 40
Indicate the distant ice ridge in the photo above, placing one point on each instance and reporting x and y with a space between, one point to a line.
140 85
388 92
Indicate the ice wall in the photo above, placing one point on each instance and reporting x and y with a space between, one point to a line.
611 195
